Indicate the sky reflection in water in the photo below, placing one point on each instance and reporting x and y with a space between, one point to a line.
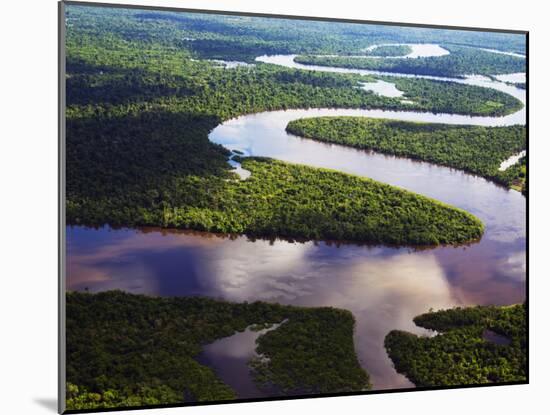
383 287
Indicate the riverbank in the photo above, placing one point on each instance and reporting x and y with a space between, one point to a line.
475 149
459 61
462 352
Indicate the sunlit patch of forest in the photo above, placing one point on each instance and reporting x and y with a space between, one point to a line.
278 200
389 50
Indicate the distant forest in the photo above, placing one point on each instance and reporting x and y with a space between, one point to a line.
461 61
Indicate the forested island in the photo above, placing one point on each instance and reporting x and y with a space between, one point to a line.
288 201
475 149
476 345
461 61
128 350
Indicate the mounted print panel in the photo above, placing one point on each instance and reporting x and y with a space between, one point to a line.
258 207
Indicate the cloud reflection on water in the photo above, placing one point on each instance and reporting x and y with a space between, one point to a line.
383 287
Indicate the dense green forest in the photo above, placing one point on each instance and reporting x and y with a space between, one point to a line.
278 200
108 74
464 352
471 100
389 50
134 350
460 62
475 149
138 117
294 360
243 38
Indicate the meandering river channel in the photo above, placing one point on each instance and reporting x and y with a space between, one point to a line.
383 287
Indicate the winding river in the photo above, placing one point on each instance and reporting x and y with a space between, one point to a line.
384 287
